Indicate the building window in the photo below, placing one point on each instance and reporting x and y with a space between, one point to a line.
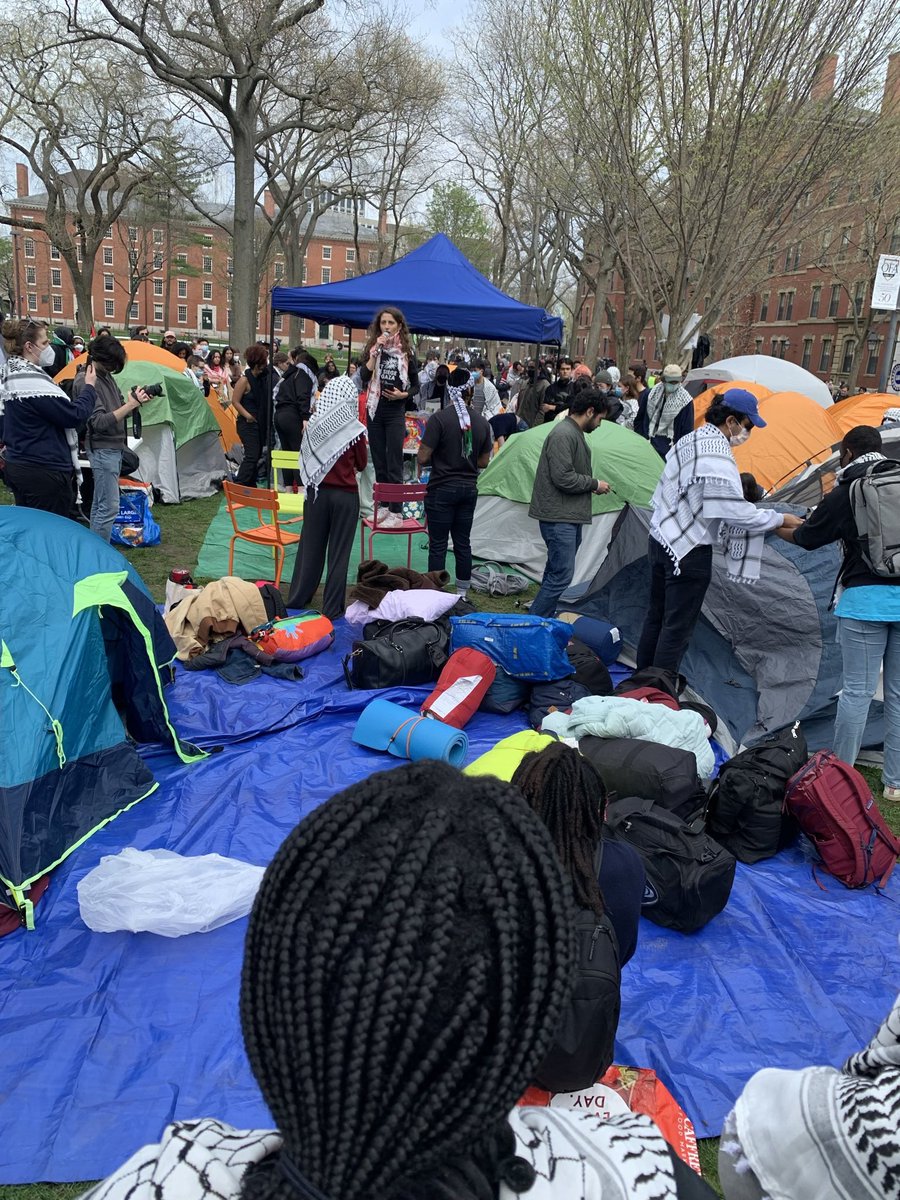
135 315
182 289
32 302
835 299
326 253
894 247
788 257
814 300
157 237
278 322
279 271
303 274
182 314
758 343
31 276
825 360
157 260
57 304
132 233
55 277
798 249
207 291
773 347
107 256
108 234
326 274
29 247
764 306
807 353
228 295
872 364
157 287
158 314
846 234
781 300
181 258
858 296
826 242
54 253
849 355
789 310
228 317
208 239
207 264
324 334
605 347
109 283
373 258
773 250
229 265
109 308
349 274
350 254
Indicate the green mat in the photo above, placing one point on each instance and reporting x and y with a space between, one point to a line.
258 562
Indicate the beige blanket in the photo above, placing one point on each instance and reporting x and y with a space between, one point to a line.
220 609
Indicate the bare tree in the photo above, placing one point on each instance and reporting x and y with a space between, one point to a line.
83 128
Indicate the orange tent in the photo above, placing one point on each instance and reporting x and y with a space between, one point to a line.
137 352
798 431
705 399
862 410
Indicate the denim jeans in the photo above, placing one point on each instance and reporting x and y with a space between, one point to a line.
865 645
450 511
674 607
562 539
106 466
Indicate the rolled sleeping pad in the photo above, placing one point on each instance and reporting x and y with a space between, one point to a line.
383 725
602 637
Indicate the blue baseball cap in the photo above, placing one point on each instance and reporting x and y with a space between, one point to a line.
744 402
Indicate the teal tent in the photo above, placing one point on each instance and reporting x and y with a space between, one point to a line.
84 655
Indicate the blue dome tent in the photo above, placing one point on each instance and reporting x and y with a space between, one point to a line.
83 652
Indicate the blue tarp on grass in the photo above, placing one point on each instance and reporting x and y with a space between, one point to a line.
106 1037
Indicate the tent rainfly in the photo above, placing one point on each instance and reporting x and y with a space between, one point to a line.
439 292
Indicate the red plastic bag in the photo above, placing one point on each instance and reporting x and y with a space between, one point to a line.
461 687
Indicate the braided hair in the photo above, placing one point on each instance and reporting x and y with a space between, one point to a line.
567 793
407 960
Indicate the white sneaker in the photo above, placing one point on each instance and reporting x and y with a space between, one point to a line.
391 521
891 793
383 511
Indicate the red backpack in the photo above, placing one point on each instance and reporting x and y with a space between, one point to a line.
461 686
836 810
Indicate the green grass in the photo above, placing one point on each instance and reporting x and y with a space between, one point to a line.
183 529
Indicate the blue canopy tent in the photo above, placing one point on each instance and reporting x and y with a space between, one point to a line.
439 291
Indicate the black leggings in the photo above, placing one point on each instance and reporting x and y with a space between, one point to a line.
387 433
289 423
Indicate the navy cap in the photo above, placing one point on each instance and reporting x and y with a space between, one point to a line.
744 402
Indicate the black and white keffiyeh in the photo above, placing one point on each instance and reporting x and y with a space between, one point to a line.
699 500
663 407
455 395
873 456
394 347
333 427
22 381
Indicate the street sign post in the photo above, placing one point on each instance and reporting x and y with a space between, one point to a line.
886 296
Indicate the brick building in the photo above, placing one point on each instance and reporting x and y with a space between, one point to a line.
192 264
813 305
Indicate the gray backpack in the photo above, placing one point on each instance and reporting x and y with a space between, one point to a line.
498 580
875 500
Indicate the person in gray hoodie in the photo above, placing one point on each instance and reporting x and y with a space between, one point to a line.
561 496
107 429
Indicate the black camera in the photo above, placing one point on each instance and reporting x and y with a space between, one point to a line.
153 389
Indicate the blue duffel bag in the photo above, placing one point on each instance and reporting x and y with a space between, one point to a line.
530 648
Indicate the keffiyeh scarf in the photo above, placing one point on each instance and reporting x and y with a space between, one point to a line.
700 484
663 408
873 456
333 427
455 395
393 347
21 381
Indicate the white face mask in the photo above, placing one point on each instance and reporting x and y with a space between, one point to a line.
738 439
47 356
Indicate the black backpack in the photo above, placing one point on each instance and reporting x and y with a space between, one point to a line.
583 1048
689 876
590 670
747 811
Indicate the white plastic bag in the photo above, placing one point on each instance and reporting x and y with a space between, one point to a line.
158 891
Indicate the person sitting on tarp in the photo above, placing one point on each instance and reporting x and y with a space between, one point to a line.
567 793
867 610
407 961
456 444
666 413
698 503
333 451
819 1133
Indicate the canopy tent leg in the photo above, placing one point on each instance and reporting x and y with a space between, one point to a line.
270 410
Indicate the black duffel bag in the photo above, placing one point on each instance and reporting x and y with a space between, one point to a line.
633 767
398 654
688 875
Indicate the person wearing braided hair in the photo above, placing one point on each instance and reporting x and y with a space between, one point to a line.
408 956
569 796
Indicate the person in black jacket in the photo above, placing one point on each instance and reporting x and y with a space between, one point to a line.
293 404
558 394
867 610
390 375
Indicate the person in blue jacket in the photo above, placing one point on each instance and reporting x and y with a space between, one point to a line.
39 422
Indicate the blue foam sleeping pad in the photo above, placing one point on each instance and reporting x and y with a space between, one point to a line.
383 725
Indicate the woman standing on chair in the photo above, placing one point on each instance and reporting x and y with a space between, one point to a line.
251 401
390 375
333 451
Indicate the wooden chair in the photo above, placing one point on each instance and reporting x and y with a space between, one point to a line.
267 533
393 493
288 502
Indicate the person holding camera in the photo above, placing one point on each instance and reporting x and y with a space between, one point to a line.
107 427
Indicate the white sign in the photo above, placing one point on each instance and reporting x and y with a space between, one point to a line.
886 288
